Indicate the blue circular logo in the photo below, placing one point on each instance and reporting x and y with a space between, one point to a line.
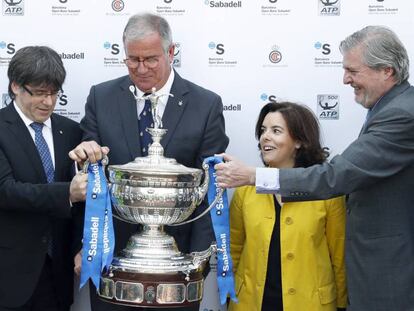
2 45
263 96
318 45
107 45
212 45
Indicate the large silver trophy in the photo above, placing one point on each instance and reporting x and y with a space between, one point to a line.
155 191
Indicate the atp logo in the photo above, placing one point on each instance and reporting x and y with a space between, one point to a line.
328 106
329 7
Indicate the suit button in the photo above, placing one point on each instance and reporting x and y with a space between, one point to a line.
288 221
290 256
291 291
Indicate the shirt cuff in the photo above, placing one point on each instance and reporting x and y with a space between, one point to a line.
267 180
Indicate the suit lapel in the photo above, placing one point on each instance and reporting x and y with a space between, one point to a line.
175 108
388 97
59 134
23 137
129 117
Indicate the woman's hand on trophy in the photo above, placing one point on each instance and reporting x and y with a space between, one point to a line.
88 150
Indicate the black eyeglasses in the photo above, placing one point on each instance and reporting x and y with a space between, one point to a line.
149 62
37 93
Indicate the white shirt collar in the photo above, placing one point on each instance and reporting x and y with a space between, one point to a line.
162 101
27 121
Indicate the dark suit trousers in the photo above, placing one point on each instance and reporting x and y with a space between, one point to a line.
44 295
99 305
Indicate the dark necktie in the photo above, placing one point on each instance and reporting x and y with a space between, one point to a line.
46 158
43 150
145 120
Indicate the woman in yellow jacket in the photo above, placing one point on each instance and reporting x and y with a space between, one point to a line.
287 256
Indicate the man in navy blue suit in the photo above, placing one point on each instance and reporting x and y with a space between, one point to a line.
193 117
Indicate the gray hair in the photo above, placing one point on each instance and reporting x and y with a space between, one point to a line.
381 49
141 25
37 66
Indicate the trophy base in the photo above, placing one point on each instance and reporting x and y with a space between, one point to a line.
152 289
152 272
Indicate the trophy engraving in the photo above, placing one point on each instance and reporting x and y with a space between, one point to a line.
155 191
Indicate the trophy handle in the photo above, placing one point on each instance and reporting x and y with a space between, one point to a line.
202 190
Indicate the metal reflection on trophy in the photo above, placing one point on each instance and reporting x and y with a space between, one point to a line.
155 191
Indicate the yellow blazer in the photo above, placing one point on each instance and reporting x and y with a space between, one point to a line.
312 251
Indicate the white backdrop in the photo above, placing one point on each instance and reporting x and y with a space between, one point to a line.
248 51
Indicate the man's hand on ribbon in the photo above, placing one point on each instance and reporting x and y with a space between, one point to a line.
77 189
88 150
233 173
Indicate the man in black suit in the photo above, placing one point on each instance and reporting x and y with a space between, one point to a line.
36 187
193 117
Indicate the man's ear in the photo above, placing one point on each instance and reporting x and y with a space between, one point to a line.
15 88
388 72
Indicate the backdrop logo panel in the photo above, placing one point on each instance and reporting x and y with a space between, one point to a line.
218 58
329 7
378 8
112 57
328 106
7 50
62 7
66 110
167 8
275 57
268 98
270 9
177 55
223 4
323 57
118 5
5 100
13 7
72 55
117 8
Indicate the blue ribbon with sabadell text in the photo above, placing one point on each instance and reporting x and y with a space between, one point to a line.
98 231
220 219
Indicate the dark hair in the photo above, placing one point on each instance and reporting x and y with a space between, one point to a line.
36 66
302 126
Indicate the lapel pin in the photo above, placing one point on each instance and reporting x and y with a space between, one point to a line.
60 132
180 103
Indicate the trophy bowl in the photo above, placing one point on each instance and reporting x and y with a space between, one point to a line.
155 191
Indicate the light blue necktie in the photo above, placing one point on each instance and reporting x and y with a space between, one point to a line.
43 150
145 120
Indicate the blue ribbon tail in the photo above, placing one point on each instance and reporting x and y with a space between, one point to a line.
98 233
220 219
